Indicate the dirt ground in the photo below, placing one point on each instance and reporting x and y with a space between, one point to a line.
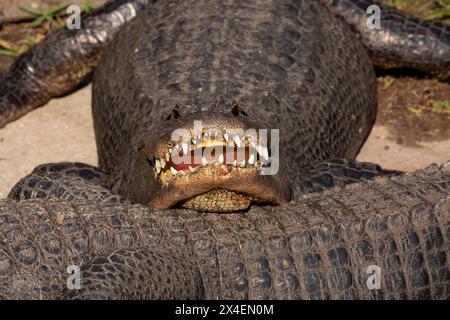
412 128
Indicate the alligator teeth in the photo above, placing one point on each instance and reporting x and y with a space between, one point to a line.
235 163
204 161
259 149
237 140
163 163
167 157
194 140
192 169
226 137
183 173
221 159
184 145
251 159
263 151
242 163
158 166
173 170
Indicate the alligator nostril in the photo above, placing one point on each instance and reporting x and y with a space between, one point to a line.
236 109
175 113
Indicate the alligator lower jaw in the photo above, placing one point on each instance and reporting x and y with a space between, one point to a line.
219 188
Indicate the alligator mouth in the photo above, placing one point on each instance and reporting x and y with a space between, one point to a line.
214 171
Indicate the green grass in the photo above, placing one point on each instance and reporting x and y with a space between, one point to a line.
52 14
440 105
9 50
427 9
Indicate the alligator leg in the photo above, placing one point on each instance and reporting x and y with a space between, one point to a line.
62 61
65 181
403 41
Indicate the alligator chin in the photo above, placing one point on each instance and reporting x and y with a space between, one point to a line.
219 188
215 172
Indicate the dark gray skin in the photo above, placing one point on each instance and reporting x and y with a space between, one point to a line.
291 65
316 247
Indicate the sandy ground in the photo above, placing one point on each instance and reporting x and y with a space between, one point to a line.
62 130
59 131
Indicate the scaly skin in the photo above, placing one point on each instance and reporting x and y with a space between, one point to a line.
61 62
296 73
291 64
403 41
317 247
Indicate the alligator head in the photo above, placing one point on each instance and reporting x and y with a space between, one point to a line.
209 161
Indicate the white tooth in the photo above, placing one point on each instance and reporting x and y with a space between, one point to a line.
237 140
184 145
235 163
220 158
191 169
259 149
265 153
199 138
158 166
242 163
204 162
194 141
183 172
226 137
167 157
163 163
170 150
251 159
173 170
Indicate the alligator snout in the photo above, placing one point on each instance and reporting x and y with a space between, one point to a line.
215 162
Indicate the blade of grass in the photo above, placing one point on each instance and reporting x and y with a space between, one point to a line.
56 9
9 53
31 11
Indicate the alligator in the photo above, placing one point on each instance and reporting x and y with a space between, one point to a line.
323 245
300 70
